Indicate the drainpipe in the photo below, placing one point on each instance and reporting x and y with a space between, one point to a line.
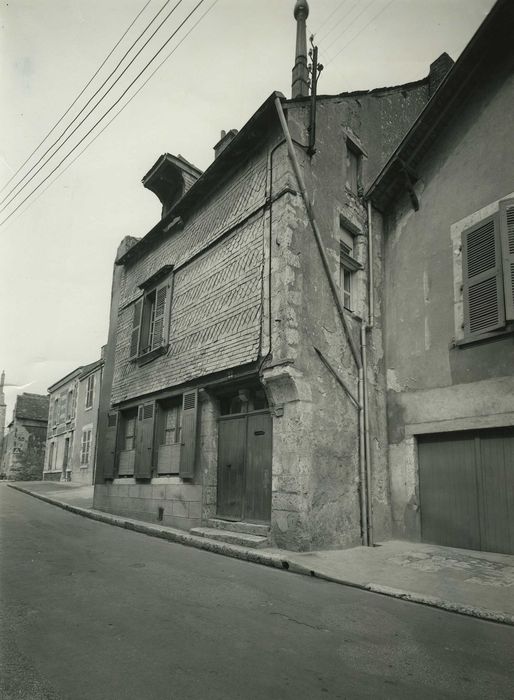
335 292
371 289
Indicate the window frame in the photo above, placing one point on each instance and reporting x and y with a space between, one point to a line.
496 214
85 447
348 266
151 317
90 392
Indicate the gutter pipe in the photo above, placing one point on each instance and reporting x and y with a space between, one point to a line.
363 470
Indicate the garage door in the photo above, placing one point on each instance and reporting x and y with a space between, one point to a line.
466 488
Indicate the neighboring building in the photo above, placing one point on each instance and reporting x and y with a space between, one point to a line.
86 423
24 443
445 279
237 397
72 424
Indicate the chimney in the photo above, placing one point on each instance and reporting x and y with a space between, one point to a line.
438 71
300 78
225 139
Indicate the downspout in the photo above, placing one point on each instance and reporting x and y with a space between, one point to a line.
364 346
371 288
335 292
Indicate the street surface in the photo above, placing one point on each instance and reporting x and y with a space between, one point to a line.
89 611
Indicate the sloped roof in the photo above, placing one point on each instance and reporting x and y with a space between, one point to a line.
491 41
87 369
32 407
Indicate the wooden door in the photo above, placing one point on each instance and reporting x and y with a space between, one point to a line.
466 486
231 463
257 502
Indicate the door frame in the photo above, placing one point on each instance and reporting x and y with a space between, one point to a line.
235 416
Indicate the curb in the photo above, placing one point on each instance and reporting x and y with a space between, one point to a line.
278 560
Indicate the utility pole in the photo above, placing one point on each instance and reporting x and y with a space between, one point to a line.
315 69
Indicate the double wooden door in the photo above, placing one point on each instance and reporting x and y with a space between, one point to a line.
244 467
466 485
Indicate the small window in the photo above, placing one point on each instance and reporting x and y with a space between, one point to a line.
129 436
172 424
348 266
243 400
69 405
85 447
353 158
150 321
90 388
56 411
488 272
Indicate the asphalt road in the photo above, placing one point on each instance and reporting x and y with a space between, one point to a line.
89 611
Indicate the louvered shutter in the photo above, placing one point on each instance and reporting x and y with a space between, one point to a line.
507 240
189 424
161 313
144 441
136 327
484 308
106 452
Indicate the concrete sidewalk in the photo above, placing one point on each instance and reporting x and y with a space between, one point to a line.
479 584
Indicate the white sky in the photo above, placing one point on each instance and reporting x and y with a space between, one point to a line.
57 250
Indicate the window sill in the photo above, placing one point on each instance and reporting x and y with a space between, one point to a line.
150 356
486 337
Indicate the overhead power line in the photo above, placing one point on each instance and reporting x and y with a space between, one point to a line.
90 143
366 7
360 31
179 2
341 19
78 96
106 113
327 19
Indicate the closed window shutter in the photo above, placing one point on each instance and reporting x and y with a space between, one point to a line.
484 308
189 426
107 447
161 308
136 326
507 240
144 442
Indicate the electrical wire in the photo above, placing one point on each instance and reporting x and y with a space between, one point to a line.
372 2
360 31
334 26
90 143
106 113
179 2
79 95
338 7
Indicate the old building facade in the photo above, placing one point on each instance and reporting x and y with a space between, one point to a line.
24 442
243 377
72 425
444 232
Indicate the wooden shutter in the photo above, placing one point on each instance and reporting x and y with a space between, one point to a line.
507 241
144 440
189 424
136 327
106 456
161 314
484 308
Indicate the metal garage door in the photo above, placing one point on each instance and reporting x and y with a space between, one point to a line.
466 488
